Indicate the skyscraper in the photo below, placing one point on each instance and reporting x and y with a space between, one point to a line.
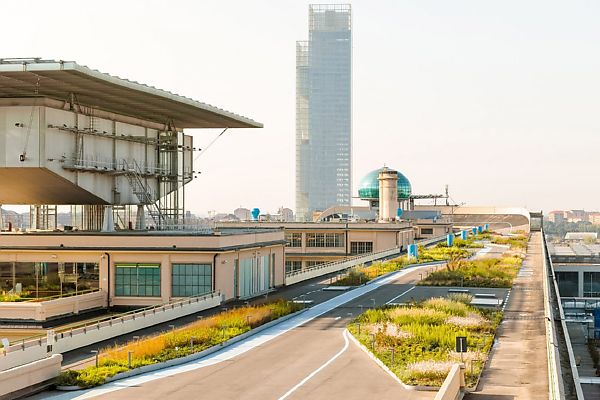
324 111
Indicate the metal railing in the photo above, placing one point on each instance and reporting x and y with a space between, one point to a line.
82 328
555 325
366 256
344 260
60 296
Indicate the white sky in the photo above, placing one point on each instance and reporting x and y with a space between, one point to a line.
497 99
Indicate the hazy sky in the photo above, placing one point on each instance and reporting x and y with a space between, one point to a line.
498 99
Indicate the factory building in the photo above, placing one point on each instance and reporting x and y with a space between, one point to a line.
116 152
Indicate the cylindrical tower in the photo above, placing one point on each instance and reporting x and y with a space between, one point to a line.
388 194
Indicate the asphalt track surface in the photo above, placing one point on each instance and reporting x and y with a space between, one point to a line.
306 357
313 360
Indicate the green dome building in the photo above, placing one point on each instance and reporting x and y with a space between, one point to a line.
368 189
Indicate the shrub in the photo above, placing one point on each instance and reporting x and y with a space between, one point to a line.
177 343
423 338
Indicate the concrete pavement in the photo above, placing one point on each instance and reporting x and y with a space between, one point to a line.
517 368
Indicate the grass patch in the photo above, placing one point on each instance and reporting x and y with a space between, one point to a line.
423 338
363 274
190 339
516 242
441 252
488 272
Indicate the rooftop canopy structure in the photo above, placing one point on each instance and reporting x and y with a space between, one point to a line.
72 135
61 80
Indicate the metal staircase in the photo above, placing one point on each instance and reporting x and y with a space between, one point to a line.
144 194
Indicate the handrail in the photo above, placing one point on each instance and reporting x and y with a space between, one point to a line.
554 378
71 329
60 296
424 242
561 317
344 260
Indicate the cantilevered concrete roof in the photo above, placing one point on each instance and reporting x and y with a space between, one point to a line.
92 88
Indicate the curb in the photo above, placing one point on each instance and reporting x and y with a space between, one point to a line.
201 354
191 357
389 371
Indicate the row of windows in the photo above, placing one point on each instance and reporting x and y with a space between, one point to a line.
191 279
591 284
361 247
324 240
568 284
143 280
293 239
137 280
292 266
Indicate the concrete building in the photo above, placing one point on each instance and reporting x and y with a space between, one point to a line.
243 214
71 135
309 244
389 195
557 216
286 214
577 269
324 111
143 268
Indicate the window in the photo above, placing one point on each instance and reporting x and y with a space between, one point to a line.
141 280
324 240
293 239
361 247
568 283
315 262
292 266
591 284
191 279
426 231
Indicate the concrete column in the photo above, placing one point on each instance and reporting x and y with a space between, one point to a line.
108 223
104 271
140 218
388 195
580 282
166 279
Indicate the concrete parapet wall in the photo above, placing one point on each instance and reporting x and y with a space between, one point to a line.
43 310
452 388
336 266
28 375
95 332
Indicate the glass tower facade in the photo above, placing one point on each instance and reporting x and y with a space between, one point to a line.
324 111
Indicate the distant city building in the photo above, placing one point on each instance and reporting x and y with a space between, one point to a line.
556 216
594 218
243 214
286 214
577 216
324 111
581 236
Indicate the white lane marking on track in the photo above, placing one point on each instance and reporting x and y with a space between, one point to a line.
400 295
238 348
316 371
